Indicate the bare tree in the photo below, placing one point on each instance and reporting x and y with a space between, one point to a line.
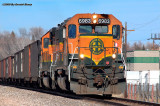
10 43
149 46
138 46
135 46
129 47
23 32
24 37
14 43
36 33
5 48
143 48
13 34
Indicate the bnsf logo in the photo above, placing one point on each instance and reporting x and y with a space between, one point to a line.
96 46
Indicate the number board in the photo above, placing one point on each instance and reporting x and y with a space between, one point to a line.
84 20
104 21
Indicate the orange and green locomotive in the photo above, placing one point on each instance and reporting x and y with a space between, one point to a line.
83 54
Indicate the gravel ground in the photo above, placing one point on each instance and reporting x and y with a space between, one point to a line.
11 96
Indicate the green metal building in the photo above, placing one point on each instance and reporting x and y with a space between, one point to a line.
142 60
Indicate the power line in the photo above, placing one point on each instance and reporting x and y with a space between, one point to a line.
147 23
138 40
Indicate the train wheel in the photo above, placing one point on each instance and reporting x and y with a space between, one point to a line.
62 83
53 85
40 82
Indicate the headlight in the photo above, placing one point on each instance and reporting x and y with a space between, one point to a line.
94 16
116 45
82 56
113 56
94 21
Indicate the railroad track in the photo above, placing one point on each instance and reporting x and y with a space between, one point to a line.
103 100
122 102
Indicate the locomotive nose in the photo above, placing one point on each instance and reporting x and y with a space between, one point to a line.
95 48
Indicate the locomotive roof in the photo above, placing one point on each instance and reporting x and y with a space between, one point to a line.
65 21
59 25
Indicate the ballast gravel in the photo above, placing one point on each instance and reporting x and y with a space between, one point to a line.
11 96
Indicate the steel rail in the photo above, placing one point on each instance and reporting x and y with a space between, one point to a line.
136 101
92 98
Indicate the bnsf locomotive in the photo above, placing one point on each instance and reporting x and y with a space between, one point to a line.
82 55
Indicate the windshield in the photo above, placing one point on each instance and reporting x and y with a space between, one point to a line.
101 29
85 29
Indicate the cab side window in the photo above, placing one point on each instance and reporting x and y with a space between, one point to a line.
45 42
116 31
72 31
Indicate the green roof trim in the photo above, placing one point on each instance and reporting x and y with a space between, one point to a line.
142 50
142 59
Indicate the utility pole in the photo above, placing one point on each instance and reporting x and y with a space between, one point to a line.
126 40
125 50
154 37
159 65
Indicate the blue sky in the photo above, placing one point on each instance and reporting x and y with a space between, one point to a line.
141 15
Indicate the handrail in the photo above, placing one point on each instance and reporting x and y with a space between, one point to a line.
69 67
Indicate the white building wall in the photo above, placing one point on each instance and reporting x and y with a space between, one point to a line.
142 66
146 53
136 77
